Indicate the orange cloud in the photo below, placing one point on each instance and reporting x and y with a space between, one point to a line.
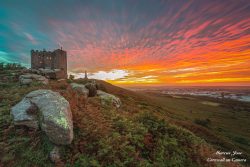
192 43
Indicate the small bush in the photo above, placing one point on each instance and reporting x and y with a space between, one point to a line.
5 85
84 160
71 77
203 122
241 140
82 81
167 145
11 66
1 66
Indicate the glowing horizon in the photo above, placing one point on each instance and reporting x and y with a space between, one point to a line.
136 43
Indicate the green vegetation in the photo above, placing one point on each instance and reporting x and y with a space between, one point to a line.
203 122
9 73
71 77
226 126
142 140
241 140
143 132
19 146
11 66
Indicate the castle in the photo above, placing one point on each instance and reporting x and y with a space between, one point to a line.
52 64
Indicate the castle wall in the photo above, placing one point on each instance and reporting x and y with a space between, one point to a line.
60 60
50 60
47 58
37 60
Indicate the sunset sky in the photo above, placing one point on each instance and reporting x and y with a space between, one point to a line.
135 42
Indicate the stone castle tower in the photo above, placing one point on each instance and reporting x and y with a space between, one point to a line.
54 62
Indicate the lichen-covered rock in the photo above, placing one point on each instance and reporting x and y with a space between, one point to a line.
22 115
91 86
27 79
24 81
81 89
109 99
35 71
53 114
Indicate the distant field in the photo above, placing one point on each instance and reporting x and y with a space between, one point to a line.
226 119
210 103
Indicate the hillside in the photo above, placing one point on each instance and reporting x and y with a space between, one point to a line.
224 123
143 132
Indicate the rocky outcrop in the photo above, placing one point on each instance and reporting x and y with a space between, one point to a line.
109 99
53 73
90 89
49 111
27 79
81 89
91 86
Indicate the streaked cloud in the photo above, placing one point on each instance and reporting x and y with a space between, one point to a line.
4 57
103 75
136 42
30 38
183 70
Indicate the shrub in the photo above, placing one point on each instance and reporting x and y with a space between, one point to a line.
1 66
71 77
11 66
82 81
203 122
116 150
84 160
169 145
154 125
241 140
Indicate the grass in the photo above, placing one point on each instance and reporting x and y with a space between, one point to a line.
226 122
143 140
19 146
140 133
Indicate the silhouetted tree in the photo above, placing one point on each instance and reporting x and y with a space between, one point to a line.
1 66
12 66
